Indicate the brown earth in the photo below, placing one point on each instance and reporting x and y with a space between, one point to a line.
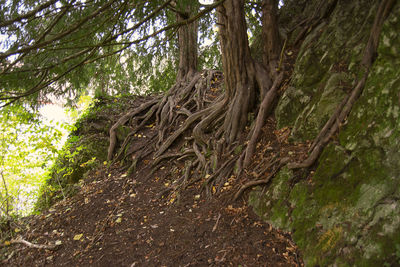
121 220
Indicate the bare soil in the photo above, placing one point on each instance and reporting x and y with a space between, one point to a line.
122 220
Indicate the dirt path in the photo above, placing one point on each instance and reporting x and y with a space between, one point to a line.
117 220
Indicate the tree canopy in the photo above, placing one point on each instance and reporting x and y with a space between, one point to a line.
61 47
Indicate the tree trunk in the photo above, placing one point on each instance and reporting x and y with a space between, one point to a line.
238 65
187 36
247 82
270 34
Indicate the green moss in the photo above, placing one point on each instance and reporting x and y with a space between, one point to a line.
319 78
280 214
347 214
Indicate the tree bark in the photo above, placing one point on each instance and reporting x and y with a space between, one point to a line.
187 36
246 81
238 65
270 33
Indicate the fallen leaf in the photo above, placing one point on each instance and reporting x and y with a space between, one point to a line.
78 237
118 220
58 242
17 230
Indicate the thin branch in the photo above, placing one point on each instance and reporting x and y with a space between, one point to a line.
60 35
41 37
180 13
175 25
48 83
29 14
37 88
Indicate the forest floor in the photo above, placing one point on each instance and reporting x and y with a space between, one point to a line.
117 219
121 220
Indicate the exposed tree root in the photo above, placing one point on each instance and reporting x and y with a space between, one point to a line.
280 163
188 108
190 123
265 109
123 120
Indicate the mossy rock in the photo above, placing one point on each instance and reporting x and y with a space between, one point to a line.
328 51
348 212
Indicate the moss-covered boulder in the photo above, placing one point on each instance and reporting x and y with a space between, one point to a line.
326 67
347 212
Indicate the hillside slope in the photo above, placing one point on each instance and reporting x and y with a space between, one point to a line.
122 219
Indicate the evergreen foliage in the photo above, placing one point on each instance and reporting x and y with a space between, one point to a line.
118 47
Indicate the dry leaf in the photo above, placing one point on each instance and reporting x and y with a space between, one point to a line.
78 237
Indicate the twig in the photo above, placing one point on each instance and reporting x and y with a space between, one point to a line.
216 223
31 245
